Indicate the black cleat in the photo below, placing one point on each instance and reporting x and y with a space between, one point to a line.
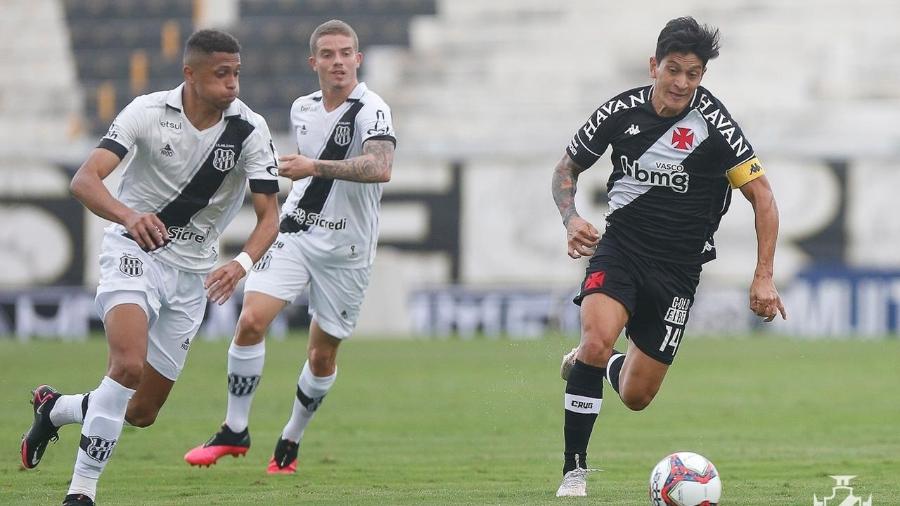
42 431
284 460
77 500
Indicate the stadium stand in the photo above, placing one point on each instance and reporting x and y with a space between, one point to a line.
39 101
124 49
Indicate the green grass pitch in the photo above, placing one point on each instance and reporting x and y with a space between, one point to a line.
480 422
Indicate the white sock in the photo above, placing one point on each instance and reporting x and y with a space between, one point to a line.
311 392
99 434
68 409
245 366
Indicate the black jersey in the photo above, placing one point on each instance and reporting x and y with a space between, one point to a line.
672 177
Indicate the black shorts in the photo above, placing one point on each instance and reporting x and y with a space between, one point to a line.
657 295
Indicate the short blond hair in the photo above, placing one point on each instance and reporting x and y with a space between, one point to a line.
333 27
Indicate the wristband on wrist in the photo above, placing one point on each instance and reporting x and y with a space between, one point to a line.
245 261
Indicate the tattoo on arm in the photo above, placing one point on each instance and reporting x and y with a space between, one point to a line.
373 166
565 181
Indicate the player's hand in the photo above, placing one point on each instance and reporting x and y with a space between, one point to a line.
147 230
764 299
582 237
296 167
220 283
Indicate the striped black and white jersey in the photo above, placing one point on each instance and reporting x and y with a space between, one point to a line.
193 180
337 219
672 177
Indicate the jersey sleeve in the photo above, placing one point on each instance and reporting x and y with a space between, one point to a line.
590 141
261 160
739 161
374 122
125 130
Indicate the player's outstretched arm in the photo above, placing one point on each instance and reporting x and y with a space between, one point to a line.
764 298
87 186
372 166
221 282
582 237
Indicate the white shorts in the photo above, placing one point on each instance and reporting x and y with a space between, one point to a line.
174 300
335 293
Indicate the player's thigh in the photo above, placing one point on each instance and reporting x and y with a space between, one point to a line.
282 273
177 325
663 306
335 298
607 298
602 320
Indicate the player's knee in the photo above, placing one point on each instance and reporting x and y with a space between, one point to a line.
594 350
127 372
321 361
637 401
252 326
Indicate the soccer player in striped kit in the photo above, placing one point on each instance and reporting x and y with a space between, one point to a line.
677 154
194 150
327 239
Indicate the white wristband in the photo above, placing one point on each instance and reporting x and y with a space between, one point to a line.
245 261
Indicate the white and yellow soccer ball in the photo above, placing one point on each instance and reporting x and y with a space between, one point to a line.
685 479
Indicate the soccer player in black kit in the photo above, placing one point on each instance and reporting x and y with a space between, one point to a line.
676 153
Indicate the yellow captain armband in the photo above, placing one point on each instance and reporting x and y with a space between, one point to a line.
744 172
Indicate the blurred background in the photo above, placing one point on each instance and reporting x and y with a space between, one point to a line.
485 96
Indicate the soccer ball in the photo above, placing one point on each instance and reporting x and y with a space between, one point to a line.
685 479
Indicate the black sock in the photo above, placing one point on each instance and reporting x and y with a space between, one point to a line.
613 368
584 395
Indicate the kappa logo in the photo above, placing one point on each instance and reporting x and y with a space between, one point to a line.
131 266
97 447
842 495
755 168
683 138
633 130
342 134
223 159
167 151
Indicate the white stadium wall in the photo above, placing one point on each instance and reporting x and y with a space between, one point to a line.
504 270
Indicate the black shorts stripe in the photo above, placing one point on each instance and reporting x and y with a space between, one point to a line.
313 199
113 146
